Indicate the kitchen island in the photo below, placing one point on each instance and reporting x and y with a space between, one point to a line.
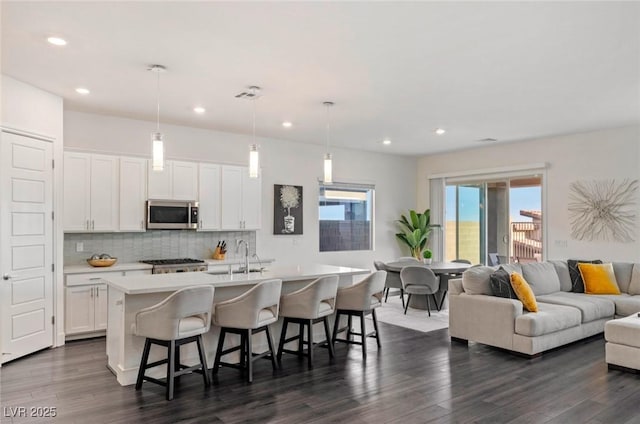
127 295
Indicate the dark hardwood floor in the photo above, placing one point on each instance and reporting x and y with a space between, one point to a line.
414 378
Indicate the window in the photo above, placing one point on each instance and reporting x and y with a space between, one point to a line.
345 217
494 221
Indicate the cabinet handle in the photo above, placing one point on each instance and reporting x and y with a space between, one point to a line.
93 224
91 291
97 292
86 224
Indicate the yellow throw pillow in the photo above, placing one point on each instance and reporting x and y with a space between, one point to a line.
599 279
524 292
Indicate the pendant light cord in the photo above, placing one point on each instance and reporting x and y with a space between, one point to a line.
328 106
158 102
254 118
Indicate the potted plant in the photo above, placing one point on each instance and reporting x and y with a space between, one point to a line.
427 256
415 231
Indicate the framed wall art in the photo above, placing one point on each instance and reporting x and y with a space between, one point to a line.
287 209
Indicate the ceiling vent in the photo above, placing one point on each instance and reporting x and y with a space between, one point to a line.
488 140
252 94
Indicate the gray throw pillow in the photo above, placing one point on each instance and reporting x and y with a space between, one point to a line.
501 284
577 285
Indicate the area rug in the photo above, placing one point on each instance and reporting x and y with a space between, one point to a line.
416 319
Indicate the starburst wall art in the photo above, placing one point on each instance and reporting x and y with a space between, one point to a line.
603 210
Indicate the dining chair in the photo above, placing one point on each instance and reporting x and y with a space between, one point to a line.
422 281
391 282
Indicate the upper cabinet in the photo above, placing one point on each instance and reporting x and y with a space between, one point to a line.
241 199
178 181
133 193
90 192
209 197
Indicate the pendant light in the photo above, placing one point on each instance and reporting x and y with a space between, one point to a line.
157 144
328 178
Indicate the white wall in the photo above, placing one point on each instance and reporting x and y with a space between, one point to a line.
282 162
37 112
605 154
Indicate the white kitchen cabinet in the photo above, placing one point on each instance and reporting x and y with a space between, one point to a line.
133 193
251 202
209 196
90 192
86 302
86 309
241 199
178 181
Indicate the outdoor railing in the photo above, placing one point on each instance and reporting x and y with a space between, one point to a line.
526 241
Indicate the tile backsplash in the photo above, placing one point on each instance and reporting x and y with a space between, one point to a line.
165 244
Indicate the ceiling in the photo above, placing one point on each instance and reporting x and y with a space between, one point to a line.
398 70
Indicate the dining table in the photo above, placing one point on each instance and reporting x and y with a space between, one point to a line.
444 270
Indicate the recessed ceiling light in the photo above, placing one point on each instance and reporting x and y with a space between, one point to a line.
287 124
199 109
440 131
57 41
386 141
82 90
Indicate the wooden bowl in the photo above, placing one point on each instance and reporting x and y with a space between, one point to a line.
102 262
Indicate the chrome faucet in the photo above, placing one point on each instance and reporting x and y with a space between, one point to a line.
246 254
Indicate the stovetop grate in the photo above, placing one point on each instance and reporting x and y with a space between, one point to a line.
178 261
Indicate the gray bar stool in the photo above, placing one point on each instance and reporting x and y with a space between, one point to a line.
309 305
179 319
246 315
359 300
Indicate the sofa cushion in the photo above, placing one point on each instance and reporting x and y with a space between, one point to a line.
524 292
623 272
625 304
513 267
542 277
624 331
501 284
577 285
549 319
476 280
634 284
592 307
562 269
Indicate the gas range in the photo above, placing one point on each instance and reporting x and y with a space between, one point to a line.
165 266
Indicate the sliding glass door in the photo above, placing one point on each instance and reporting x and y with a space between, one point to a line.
494 221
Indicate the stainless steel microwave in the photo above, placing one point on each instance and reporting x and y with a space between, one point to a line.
172 215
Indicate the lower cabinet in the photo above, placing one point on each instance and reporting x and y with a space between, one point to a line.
86 303
86 309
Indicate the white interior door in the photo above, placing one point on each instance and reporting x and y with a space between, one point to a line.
26 245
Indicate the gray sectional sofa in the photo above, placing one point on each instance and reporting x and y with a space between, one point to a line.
563 316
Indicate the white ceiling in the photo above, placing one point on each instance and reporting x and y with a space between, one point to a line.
506 70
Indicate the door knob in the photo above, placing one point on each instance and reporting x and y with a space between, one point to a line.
6 277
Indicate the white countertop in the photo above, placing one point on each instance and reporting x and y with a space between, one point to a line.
131 266
141 284
86 268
